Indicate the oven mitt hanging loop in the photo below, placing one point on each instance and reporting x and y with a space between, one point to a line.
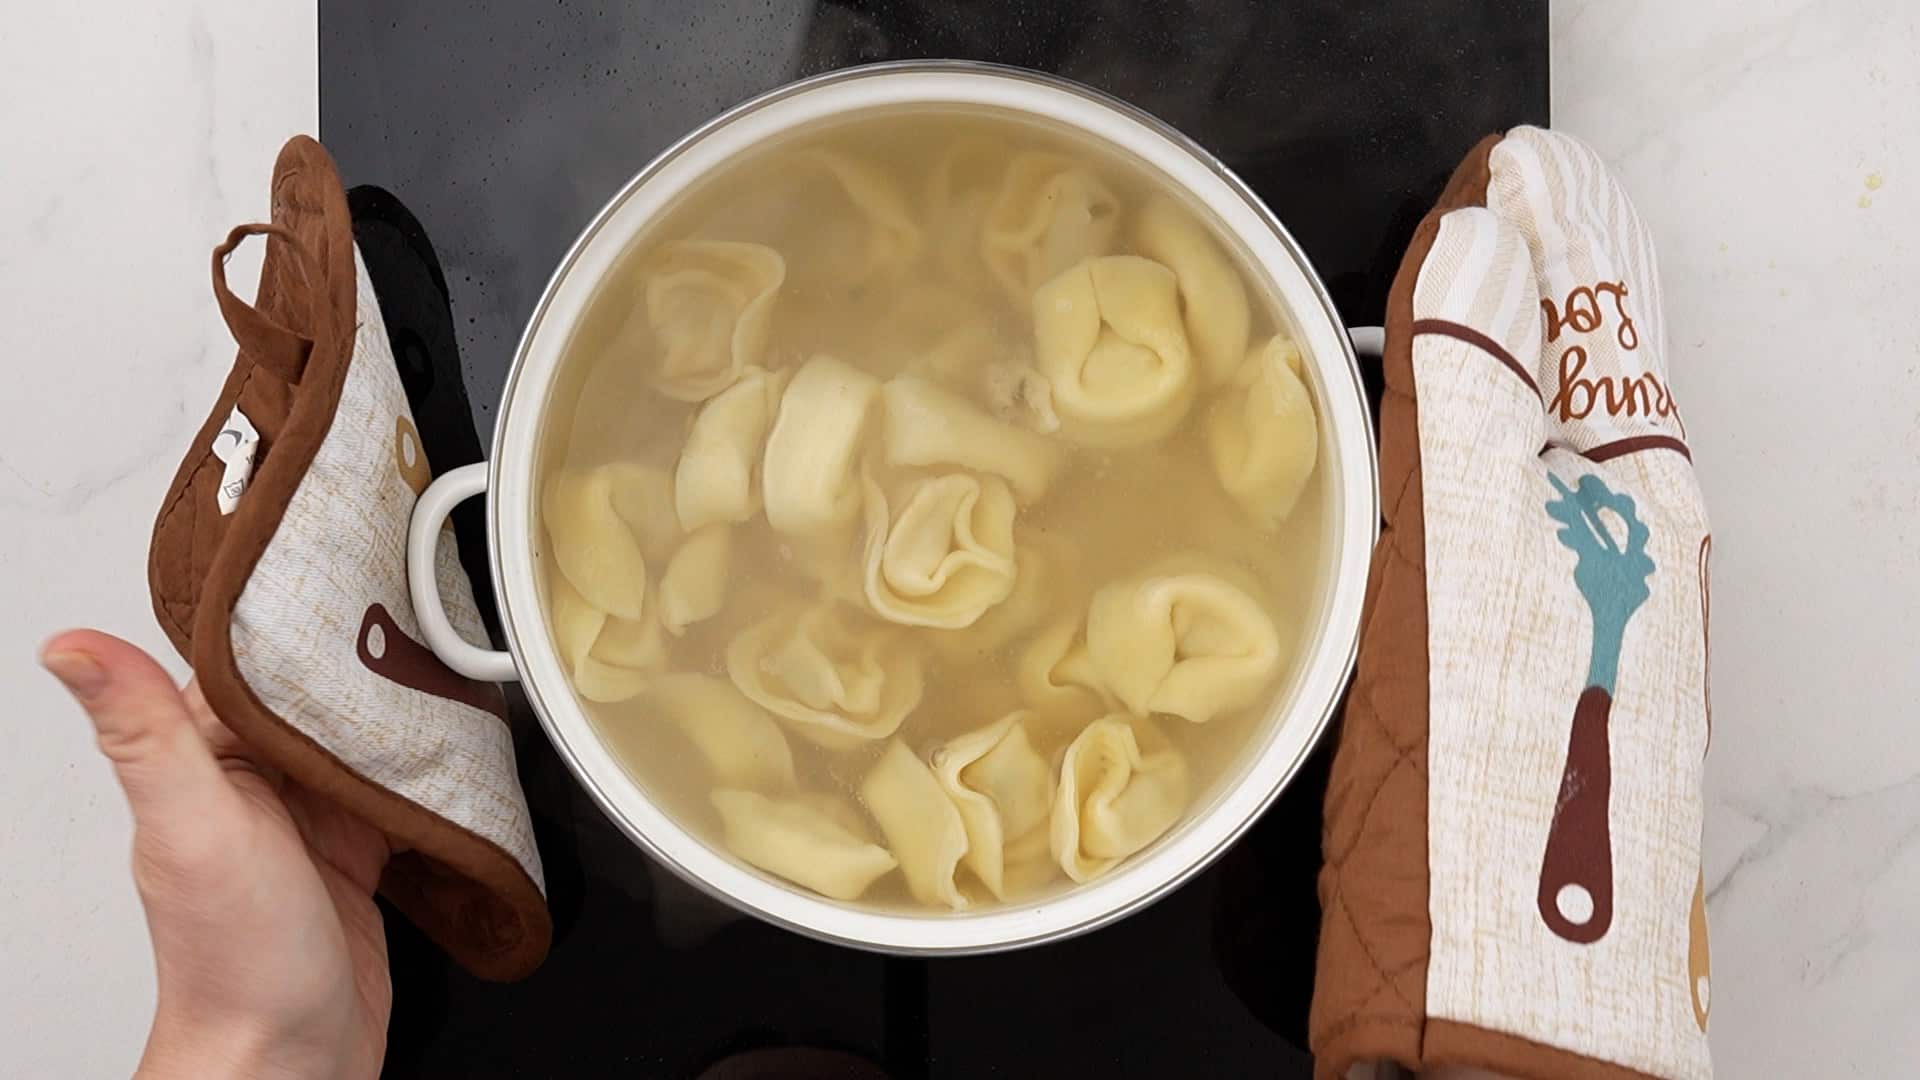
1512 840
279 350
278 569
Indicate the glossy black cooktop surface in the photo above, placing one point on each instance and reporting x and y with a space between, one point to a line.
504 126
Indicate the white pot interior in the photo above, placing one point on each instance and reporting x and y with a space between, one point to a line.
1328 634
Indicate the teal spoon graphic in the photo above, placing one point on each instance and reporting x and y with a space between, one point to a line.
1601 527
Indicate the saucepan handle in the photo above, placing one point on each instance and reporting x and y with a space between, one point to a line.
1368 340
423 584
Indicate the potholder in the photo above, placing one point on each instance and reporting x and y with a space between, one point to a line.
1512 840
278 570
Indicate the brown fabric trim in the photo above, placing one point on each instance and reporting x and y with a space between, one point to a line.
1369 994
464 891
1370 989
1461 332
1635 444
1452 1043
281 351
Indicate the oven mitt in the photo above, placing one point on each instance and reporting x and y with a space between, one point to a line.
1512 839
278 570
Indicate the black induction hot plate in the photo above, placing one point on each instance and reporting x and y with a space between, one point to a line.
498 129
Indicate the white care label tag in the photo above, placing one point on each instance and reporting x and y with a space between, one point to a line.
235 445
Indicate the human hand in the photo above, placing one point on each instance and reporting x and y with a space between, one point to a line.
270 954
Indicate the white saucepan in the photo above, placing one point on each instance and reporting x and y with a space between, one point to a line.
1328 632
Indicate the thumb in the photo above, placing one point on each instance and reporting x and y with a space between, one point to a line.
144 728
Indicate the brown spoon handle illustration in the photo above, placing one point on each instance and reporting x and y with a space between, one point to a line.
1576 876
388 652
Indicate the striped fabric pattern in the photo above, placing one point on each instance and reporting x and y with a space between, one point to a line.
1566 545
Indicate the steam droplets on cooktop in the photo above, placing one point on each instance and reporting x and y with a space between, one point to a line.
503 131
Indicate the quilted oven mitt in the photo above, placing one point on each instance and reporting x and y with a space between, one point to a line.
278 570
1512 876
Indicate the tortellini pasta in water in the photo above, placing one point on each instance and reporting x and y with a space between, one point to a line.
835 675
927 424
718 477
940 551
1122 786
593 544
1262 436
931 330
741 744
923 828
1212 299
610 658
1018 394
1192 644
1057 677
856 535
1044 569
797 839
811 486
694 586
643 497
709 303
1051 212
1003 790
1109 338
880 237
960 189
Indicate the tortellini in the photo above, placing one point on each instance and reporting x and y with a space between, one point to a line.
1213 301
1050 213
1263 437
610 658
1121 787
643 496
1018 394
1108 337
709 302
931 330
886 238
741 744
1043 568
1056 676
835 675
592 543
940 552
1003 790
960 188
718 478
859 524
923 828
810 484
1192 644
957 355
795 838
926 424
694 586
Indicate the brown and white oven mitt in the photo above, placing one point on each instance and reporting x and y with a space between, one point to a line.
1512 840
278 570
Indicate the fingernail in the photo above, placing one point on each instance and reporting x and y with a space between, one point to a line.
82 674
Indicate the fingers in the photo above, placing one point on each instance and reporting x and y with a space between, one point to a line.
143 726
228 749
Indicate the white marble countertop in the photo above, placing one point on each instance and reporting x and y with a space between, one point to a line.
1772 145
